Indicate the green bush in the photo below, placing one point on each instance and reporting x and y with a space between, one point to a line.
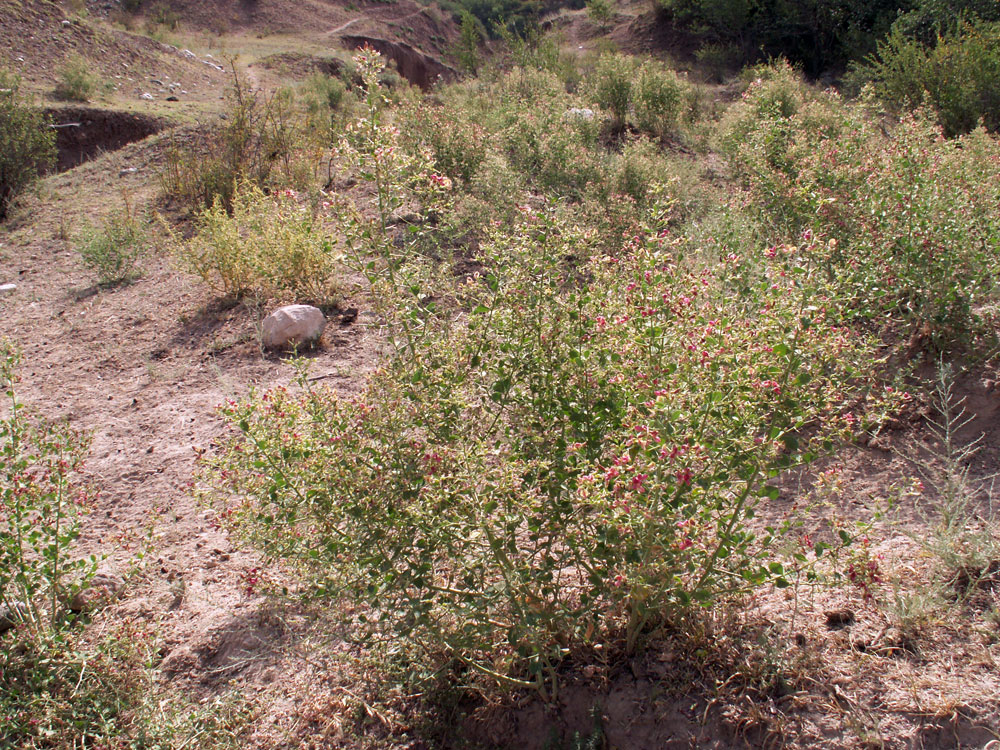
611 86
27 144
42 501
457 145
113 250
62 688
257 141
76 83
647 94
820 35
326 101
660 99
600 11
959 75
925 20
911 215
580 456
267 247
468 48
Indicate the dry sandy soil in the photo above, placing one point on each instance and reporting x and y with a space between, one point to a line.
143 367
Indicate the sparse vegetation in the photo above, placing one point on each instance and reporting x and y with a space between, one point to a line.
76 82
257 141
114 249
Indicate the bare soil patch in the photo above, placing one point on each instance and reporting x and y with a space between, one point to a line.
83 133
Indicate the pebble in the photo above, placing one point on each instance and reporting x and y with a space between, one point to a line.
4 288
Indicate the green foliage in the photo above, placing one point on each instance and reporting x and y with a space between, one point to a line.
612 86
580 454
61 687
467 50
27 144
910 215
660 99
257 141
818 34
76 83
600 11
926 20
372 149
457 145
577 458
113 250
41 504
325 100
959 75
266 247
648 94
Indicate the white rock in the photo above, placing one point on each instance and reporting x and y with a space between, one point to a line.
579 113
188 53
147 96
292 325
4 288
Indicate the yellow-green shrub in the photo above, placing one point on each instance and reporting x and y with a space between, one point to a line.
269 246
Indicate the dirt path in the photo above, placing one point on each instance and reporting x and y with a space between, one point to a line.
142 370
343 26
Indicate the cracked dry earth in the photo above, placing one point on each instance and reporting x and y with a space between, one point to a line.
141 369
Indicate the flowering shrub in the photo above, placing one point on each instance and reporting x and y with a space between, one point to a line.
40 509
372 150
458 146
913 214
581 456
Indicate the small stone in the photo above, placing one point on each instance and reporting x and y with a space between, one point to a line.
181 659
127 171
5 288
147 96
158 83
839 618
11 616
579 113
172 99
101 589
292 325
